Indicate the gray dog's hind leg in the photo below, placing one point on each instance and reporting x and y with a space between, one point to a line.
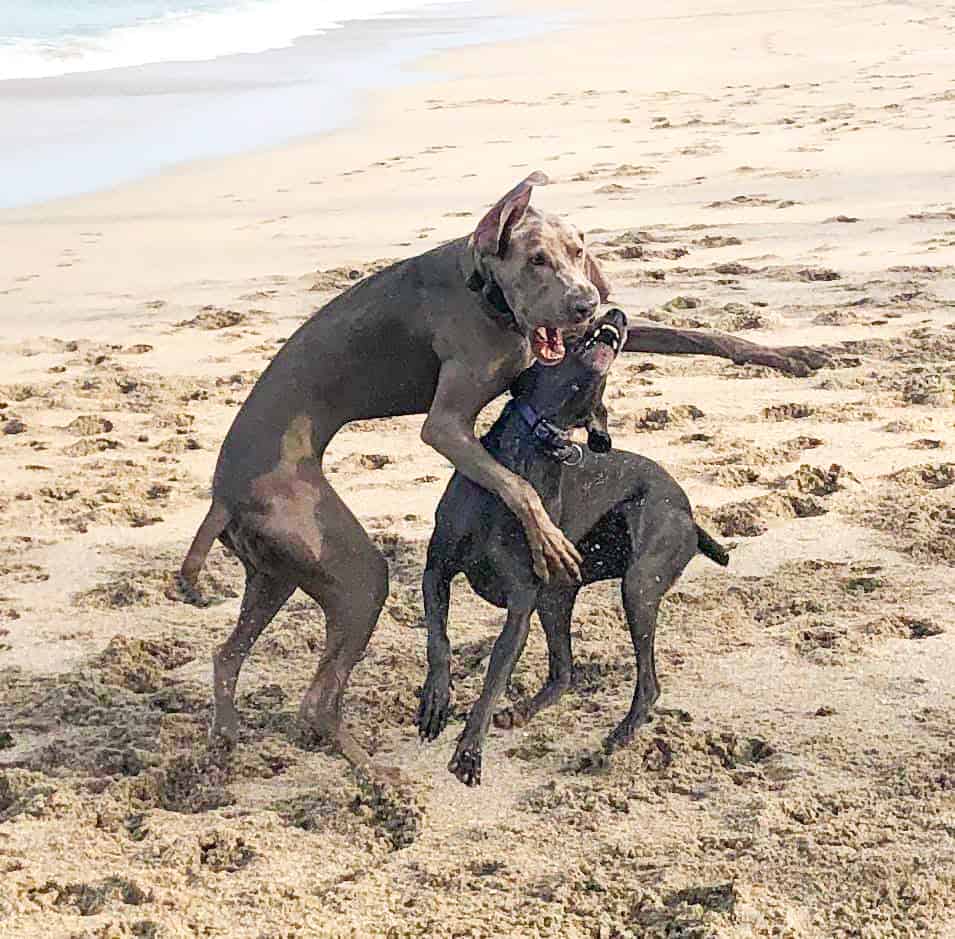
665 540
435 703
351 610
466 762
555 607
264 596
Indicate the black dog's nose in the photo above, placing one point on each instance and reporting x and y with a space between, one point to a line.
618 316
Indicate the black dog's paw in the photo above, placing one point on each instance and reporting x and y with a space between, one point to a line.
508 719
617 740
466 765
599 442
623 734
434 710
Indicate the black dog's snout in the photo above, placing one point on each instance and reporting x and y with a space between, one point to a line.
618 317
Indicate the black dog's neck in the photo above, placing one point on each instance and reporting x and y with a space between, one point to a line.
512 443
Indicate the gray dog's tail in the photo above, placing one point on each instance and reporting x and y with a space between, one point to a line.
186 580
709 546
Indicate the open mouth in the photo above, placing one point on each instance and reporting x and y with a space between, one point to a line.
606 333
601 347
547 344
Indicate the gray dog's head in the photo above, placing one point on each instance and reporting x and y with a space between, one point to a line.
539 261
571 394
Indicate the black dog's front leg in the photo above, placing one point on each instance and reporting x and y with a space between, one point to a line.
466 762
435 706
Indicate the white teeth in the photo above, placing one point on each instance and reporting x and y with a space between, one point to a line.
615 333
601 335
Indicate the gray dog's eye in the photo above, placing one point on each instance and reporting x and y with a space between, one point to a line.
538 259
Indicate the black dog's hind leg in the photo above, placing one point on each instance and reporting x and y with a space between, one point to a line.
466 762
555 607
664 541
435 706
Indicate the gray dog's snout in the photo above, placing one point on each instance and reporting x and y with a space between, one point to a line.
583 308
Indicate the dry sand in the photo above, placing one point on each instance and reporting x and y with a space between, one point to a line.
783 172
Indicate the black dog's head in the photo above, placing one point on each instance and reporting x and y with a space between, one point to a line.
570 394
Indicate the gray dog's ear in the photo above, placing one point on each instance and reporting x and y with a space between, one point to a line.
598 438
494 230
596 276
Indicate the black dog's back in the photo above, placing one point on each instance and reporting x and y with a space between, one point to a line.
600 499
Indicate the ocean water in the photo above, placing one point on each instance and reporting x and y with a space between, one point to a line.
94 93
45 38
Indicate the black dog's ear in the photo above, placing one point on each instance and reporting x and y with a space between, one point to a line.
598 438
524 383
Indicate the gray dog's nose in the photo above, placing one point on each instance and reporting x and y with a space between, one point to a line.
583 309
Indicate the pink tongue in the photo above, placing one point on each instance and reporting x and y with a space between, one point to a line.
548 345
555 342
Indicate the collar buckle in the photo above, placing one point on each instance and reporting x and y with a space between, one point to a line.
575 457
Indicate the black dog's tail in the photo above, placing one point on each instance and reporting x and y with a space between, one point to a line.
709 546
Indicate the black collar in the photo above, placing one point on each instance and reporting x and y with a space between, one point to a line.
556 443
492 293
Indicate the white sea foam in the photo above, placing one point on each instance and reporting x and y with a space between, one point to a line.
247 26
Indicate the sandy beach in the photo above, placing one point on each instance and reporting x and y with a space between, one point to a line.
782 174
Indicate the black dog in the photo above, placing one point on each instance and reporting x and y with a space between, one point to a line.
627 516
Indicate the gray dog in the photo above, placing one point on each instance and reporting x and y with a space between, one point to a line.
627 517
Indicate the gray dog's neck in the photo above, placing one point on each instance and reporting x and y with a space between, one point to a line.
481 282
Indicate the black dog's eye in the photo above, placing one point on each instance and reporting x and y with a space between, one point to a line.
539 259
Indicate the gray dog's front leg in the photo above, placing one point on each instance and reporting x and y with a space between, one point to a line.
436 694
668 340
466 762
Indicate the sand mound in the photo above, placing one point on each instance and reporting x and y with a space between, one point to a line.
214 318
659 418
914 509
140 664
755 516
